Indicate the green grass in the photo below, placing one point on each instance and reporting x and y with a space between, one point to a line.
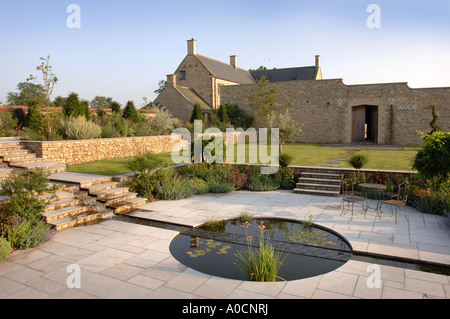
110 167
302 155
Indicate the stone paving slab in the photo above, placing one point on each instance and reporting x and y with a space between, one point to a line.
125 260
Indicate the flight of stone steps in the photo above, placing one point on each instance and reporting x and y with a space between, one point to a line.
15 156
93 199
322 182
79 200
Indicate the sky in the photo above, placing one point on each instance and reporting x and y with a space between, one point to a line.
122 49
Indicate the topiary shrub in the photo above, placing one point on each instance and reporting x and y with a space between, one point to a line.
79 128
357 160
5 248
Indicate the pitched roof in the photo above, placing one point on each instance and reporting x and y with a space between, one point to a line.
226 71
289 74
193 97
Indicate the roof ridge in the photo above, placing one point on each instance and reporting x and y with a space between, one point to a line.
227 64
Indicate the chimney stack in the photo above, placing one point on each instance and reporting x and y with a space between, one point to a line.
317 61
192 47
171 80
233 61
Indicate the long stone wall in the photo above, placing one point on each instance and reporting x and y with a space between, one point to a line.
82 151
323 108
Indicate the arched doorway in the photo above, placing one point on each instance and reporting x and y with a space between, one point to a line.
365 124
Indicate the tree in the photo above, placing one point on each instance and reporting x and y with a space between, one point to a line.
223 114
73 107
161 85
286 125
27 91
435 127
59 101
84 109
432 160
49 80
261 68
101 102
238 117
197 113
33 119
265 101
115 107
48 77
130 112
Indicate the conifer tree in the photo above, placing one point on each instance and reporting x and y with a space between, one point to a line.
72 106
197 113
115 107
130 112
223 114
33 119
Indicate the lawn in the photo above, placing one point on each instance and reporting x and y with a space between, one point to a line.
302 155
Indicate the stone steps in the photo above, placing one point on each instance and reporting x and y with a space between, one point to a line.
322 182
130 205
101 193
16 155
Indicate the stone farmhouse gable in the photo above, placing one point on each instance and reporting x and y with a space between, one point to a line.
198 80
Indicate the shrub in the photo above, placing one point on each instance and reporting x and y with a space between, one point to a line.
209 147
21 217
5 248
263 183
199 186
147 178
357 160
163 121
237 178
285 177
217 186
174 188
29 233
8 124
146 162
22 189
429 201
79 128
285 160
432 160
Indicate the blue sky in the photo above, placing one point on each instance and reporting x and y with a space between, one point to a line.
124 48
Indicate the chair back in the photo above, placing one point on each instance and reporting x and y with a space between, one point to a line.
403 192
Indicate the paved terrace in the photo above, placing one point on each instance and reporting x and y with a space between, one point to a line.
124 260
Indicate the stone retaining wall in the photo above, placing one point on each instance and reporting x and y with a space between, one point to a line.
82 151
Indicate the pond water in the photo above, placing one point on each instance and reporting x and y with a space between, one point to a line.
305 251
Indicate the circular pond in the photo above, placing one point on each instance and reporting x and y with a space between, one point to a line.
219 248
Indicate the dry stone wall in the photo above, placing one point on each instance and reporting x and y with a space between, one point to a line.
81 151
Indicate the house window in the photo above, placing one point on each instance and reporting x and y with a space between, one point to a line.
182 75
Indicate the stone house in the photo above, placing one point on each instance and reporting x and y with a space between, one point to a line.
327 110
